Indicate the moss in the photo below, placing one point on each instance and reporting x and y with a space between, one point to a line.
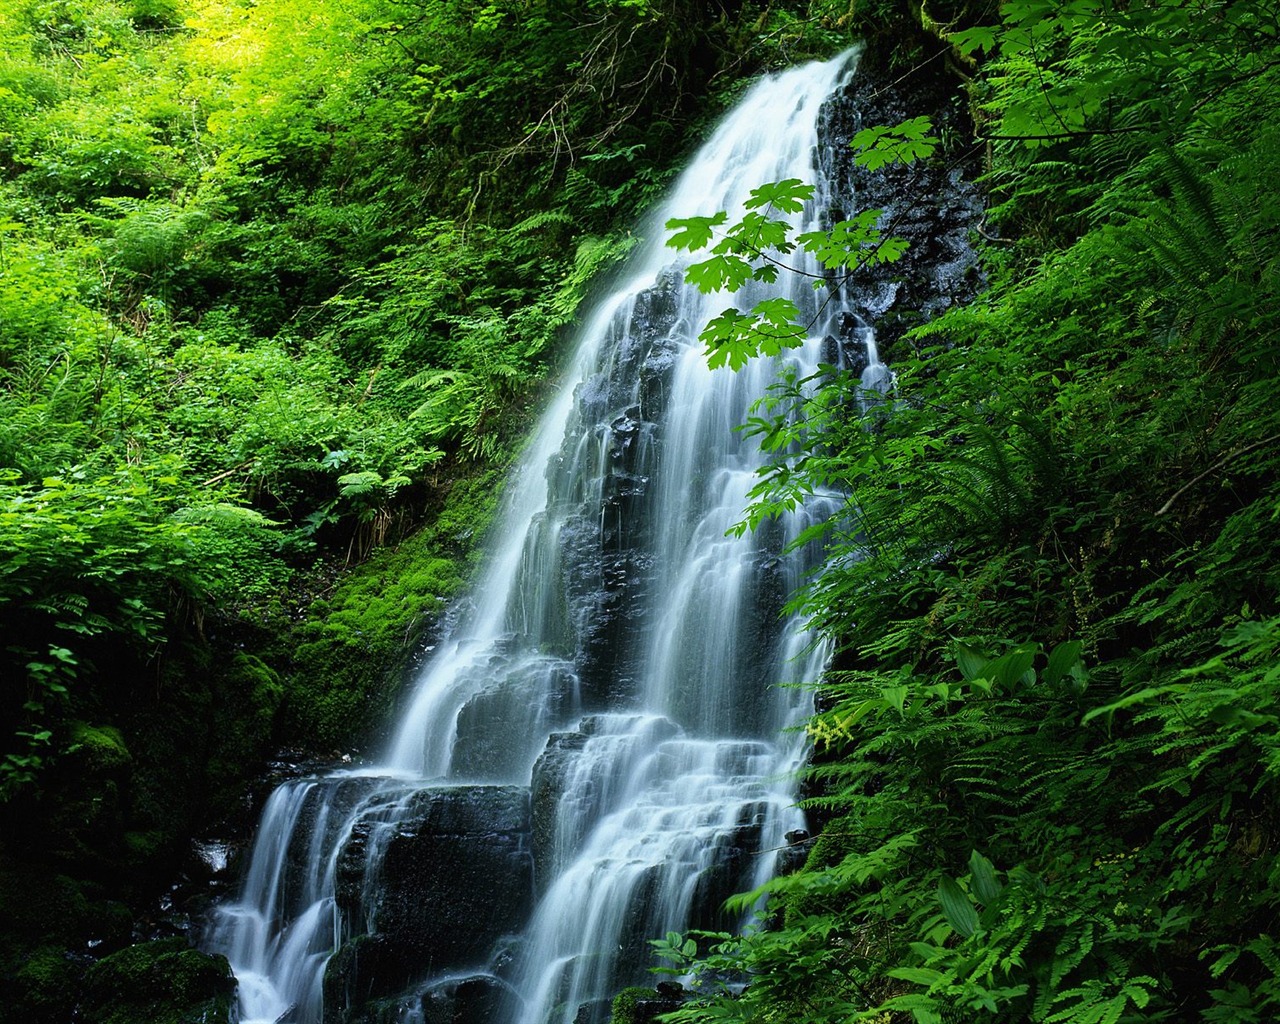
100 749
43 988
211 727
144 845
41 906
351 650
161 982
246 702
639 1005
625 1003
47 921
172 735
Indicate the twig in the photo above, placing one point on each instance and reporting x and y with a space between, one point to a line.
992 238
1235 453
230 472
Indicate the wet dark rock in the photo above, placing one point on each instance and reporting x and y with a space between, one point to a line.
933 204
793 856
845 344
605 570
335 798
731 872
456 874
546 788
482 751
596 1012
471 1000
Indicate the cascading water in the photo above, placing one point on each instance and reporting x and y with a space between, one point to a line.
599 753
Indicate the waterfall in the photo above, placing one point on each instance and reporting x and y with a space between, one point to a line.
602 749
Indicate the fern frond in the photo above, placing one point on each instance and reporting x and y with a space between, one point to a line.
541 220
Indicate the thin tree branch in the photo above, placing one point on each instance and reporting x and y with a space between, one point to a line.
1229 457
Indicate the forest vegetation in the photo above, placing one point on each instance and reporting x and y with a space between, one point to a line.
280 284
1045 757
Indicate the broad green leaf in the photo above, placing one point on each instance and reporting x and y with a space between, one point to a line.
902 143
789 196
756 233
1062 658
919 975
719 273
693 233
1138 697
957 907
981 38
779 313
1010 669
895 696
983 874
1226 714
923 1008
890 250
971 663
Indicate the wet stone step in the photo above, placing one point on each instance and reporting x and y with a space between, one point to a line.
453 876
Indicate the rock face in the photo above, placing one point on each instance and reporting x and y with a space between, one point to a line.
605 566
451 877
934 204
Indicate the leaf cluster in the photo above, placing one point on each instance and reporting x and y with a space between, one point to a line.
756 248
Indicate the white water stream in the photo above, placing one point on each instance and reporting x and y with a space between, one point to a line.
622 656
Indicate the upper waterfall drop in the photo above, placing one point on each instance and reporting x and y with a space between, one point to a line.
597 753
523 599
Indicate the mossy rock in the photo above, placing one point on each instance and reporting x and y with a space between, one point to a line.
100 748
38 906
353 646
160 982
639 1005
145 846
48 922
625 1002
349 656
43 988
246 700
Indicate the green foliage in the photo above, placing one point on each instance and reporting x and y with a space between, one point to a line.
91 559
753 250
902 143
1043 758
